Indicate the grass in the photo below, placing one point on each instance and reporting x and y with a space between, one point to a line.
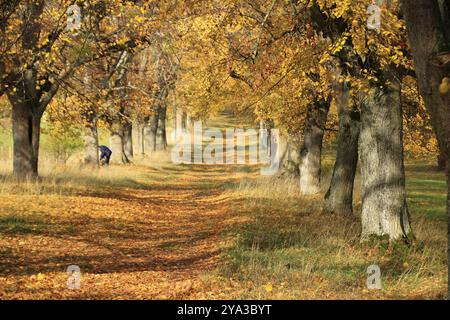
142 231
288 249
155 230
60 179
426 190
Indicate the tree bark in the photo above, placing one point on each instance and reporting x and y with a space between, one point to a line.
179 121
91 144
183 122
311 151
294 153
116 140
268 125
189 122
428 24
430 43
384 208
128 141
27 106
175 122
283 146
142 141
150 129
441 162
161 134
289 161
138 137
339 198
26 127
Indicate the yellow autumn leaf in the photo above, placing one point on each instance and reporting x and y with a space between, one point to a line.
268 287
40 277
445 86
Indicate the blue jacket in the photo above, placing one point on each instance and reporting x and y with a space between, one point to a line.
105 152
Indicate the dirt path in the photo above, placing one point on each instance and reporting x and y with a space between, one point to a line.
153 242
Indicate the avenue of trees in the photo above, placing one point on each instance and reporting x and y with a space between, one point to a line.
312 68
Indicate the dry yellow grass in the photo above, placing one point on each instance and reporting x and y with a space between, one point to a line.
154 230
289 249
136 231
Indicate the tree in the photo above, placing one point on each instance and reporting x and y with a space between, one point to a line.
428 23
384 208
311 150
339 197
41 54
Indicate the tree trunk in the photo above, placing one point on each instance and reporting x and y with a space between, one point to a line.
283 146
429 35
384 208
173 133
268 124
428 24
138 137
339 198
180 127
161 134
184 129
116 140
289 161
175 123
26 125
441 162
27 106
311 151
91 145
128 141
150 129
142 135
189 122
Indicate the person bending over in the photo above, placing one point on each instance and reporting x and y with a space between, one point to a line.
105 155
